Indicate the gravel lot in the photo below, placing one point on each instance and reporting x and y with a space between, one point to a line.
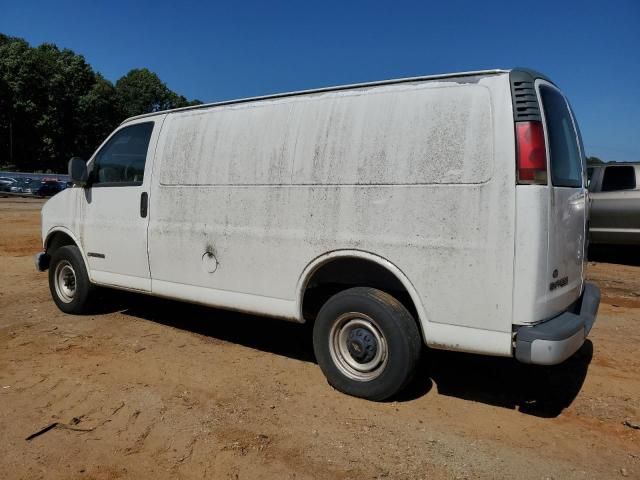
149 388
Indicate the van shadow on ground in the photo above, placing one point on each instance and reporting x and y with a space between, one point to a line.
619 254
502 382
505 382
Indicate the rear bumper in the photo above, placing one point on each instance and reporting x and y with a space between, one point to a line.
555 340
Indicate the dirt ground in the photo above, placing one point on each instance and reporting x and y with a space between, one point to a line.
150 388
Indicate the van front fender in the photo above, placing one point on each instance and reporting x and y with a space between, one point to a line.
53 231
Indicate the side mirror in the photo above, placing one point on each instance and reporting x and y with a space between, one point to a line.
78 171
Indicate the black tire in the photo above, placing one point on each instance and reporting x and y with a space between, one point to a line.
356 326
68 281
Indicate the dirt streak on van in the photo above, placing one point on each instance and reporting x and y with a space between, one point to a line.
447 210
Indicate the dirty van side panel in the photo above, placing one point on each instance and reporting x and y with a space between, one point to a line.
406 172
247 144
416 135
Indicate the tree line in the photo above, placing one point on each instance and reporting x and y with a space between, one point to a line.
53 105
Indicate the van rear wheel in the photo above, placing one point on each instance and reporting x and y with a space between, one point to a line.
366 343
68 280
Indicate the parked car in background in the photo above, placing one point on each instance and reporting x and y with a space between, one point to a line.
615 203
30 186
6 183
20 185
46 188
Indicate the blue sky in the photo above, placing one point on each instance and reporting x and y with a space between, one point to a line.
215 51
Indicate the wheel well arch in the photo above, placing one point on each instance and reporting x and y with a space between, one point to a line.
335 271
61 237
57 239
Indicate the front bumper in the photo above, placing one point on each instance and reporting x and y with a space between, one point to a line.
555 340
41 260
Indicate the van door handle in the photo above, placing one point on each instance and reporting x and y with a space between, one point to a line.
144 204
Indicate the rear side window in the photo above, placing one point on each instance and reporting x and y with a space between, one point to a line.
566 160
619 178
121 161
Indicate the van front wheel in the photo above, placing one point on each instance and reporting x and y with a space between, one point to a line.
366 343
68 280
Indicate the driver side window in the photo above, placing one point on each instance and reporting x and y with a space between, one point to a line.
121 161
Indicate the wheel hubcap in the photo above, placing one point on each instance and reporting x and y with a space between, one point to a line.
65 281
362 345
358 347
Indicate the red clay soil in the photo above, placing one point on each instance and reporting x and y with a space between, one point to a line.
149 388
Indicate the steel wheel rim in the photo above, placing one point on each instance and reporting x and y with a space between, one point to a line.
341 353
65 281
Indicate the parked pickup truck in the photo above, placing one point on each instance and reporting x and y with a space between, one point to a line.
615 203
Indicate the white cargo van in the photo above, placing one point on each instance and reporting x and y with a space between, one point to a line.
447 210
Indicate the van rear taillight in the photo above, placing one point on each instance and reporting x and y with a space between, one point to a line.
532 154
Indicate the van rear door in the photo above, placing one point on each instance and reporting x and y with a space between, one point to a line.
567 209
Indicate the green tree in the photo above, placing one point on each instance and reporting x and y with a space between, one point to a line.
70 78
53 105
21 87
98 114
142 91
40 89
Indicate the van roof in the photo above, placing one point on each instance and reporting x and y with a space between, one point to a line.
476 73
